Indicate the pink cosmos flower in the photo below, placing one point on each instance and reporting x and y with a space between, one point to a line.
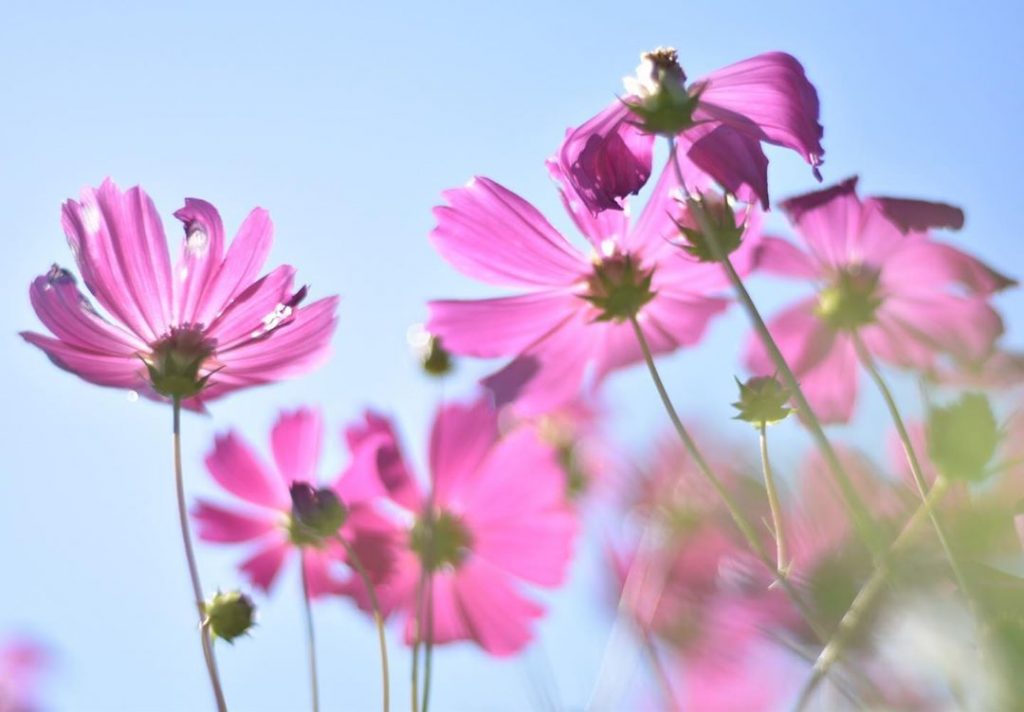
265 519
880 276
571 325
209 322
766 98
22 664
500 519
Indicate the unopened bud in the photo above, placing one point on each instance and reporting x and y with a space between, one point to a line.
762 400
317 514
229 615
715 216
427 348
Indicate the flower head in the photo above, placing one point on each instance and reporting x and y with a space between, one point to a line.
208 326
573 323
282 513
23 663
880 277
718 123
498 517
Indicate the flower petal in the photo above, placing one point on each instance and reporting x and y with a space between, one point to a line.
378 466
503 326
461 437
801 337
733 159
607 158
770 98
226 526
263 567
101 369
243 262
295 442
606 225
499 618
831 385
922 265
490 233
202 251
121 249
236 468
781 257
920 215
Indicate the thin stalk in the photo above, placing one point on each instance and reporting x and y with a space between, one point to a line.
851 621
314 686
781 555
378 619
739 519
912 460
190 557
428 656
866 527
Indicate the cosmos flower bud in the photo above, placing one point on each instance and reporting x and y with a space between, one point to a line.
658 94
718 216
963 437
317 514
433 357
229 615
762 400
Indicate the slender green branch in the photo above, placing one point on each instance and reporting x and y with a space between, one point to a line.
739 519
912 460
378 619
855 615
781 554
314 685
865 525
193 570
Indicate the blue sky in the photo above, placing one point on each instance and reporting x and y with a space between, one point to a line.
346 120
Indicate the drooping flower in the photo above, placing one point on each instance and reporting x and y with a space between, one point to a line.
882 278
718 122
23 662
267 521
574 321
498 518
208 326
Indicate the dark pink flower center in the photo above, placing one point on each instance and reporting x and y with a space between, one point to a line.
619 287
440 541
852 299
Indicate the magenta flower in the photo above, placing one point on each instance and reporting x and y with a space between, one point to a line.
265 521
499 516
209 323
882 278
23 662
728 114
573 320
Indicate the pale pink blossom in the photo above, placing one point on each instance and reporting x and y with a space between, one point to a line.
880 275
766 98
500 520
560 336
210 312
23 663
263 522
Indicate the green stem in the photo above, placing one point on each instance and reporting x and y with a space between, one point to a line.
741 522
912 460
310 638
190 557
378 619
851 621
865 525
428 656
781 555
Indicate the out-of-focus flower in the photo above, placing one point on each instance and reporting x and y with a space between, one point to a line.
996 372
906 296
718 122
498 516
23 662
267 520
574 320
208 326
